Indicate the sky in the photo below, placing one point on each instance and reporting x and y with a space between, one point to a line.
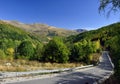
68 14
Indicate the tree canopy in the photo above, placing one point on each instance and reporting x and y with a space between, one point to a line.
26 49
56 51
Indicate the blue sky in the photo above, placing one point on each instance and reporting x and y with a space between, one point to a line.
69 14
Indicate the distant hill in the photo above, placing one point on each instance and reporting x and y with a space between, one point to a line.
43 31
81 30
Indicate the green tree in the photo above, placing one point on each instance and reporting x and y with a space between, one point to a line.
26 49
38 52
56 51
81 51
77 53
2 55
89 49
3 45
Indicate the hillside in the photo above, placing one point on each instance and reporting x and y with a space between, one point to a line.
8 31
109 37
43 31
103 34
11 38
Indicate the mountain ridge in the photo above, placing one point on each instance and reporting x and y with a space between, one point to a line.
43 31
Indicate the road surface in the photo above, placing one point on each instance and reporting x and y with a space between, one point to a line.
83 76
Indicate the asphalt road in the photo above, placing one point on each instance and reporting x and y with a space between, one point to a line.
83 76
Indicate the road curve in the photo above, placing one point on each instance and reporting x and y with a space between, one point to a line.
84 76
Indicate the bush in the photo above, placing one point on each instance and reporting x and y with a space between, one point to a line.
2 55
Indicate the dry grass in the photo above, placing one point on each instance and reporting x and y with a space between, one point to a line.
96 56
57 65
11 68
24 65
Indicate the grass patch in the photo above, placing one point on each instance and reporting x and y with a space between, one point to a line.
25 65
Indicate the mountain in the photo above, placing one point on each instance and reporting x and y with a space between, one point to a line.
80 30
43 31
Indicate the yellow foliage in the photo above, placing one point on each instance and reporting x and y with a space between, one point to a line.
97 44
91 57
10 51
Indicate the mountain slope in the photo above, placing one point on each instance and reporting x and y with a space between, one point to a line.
109 37
103 34
10 32
42 30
